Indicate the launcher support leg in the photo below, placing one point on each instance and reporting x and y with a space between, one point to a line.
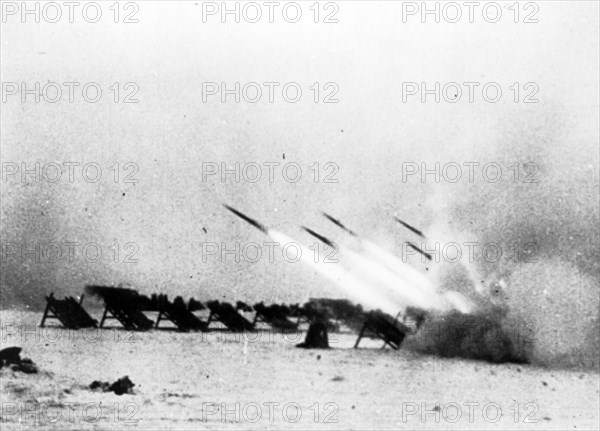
103 317
45 312
158 319
362 331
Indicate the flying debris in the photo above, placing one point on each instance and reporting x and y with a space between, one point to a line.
338 223
253 222
414 246
409 227
319 237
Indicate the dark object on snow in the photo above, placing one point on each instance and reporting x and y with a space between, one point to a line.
11 357
69 312
26 366
122 386
97 384
316 336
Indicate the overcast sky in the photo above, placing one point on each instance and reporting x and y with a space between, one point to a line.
171 133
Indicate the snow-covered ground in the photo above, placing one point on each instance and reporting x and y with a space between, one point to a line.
261 381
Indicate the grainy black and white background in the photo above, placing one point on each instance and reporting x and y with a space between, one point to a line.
126 126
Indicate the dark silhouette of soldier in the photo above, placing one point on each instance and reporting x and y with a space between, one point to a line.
316 336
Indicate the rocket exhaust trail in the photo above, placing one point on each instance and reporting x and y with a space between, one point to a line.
402 279
319 237
392 283
379 278
389 273
389 260
356 288
367 277
409 227
244 217
400 267
396 276
339 274
371 289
